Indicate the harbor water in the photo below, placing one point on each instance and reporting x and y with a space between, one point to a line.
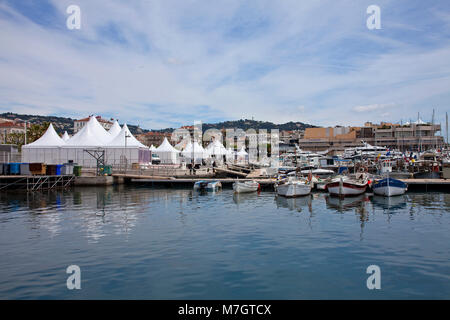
151 243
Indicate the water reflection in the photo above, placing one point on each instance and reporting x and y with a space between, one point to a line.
347 204
95 210
295 204
240 198
390 204
176 243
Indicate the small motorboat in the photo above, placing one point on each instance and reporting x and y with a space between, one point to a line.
207 185
294 187
346 186
389 187
246 186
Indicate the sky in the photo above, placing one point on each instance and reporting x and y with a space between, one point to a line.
168 63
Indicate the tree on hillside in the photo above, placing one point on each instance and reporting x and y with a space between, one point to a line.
36 131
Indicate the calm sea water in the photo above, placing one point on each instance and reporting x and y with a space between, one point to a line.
146 243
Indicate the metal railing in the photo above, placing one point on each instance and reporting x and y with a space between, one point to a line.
8 157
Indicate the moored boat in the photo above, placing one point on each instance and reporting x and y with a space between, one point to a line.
245 186
389 187
345 186
207 185
294 188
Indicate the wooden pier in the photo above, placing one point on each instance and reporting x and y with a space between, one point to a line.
428 184
34 183
442 185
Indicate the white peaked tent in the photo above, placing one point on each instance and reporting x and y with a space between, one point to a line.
152 148
45 149
182 144
194 151
216 148
88 136
230 156
114 130
242 155
419 121
49 139
167 153
51 149
65 136
92 136
126 145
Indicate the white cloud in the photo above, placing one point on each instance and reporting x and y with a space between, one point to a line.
373 107
239 59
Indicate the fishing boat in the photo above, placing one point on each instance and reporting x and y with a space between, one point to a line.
389 187
294 187
346 186
321 173
245 186
207 185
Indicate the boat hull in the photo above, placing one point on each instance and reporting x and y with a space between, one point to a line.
207 186
346 188
244 187
389 187
291 190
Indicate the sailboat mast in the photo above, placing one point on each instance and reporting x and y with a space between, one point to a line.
446 125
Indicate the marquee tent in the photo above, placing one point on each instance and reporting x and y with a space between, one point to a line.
216 150
65 136
242 155
167 153
194 151
125 147
51 149
114 130
45 149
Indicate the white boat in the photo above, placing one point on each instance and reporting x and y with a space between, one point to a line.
345 186
294 188
321 173
389 187
245 186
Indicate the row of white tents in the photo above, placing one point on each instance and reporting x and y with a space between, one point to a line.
120 147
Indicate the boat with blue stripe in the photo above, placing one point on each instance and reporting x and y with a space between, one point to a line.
389 187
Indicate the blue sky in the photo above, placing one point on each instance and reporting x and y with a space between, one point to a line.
167 63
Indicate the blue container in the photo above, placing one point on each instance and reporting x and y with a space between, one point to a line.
58 169
14 168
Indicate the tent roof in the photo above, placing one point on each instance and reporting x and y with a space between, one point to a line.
152 148
119 140
419 121
49 139
166 147
114 130
216 148
92 134
197 149
242 152
86 137
65 136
